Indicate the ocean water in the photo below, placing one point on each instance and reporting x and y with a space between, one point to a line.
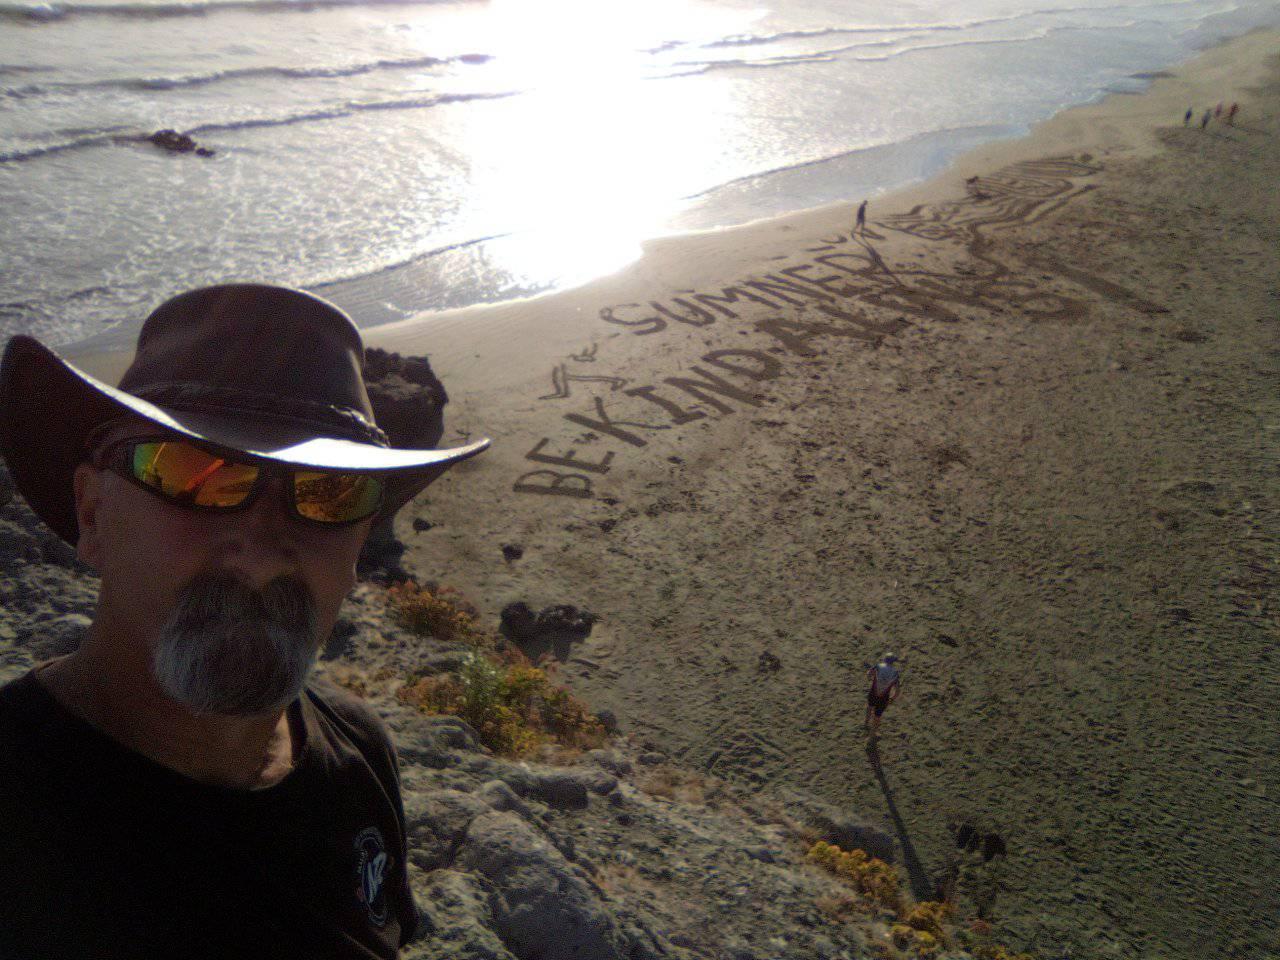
402 156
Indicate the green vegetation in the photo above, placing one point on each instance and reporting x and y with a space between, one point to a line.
512 704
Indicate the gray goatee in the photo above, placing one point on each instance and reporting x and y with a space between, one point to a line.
230 650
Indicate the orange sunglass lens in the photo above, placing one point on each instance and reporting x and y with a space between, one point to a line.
186 473
336 497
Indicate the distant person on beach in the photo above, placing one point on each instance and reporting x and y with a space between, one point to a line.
179 785
1204 121
860 223
1186 117
1231 114
885 680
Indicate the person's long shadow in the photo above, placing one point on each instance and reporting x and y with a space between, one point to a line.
921 887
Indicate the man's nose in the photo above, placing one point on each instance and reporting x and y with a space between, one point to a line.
262 539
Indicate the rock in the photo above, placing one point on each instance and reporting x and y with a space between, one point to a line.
521 624
542 907
552 630
429 741
562 789
176 142
609 720
610 760
567 619
408 399
173 141
512 552
598 781
421 526
18 545
499 795
518 621
455 733
55 636
460 912
652 758
380 558
436 824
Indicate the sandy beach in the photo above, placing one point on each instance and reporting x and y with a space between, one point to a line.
1022 430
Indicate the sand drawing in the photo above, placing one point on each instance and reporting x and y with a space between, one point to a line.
1019 194
844 291
561 378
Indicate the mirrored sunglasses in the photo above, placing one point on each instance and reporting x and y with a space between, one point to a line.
188 475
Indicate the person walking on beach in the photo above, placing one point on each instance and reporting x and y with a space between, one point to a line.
860 224
181 784
1204 121
1231 114
1186 117
886 682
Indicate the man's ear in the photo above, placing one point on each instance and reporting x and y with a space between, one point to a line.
87 481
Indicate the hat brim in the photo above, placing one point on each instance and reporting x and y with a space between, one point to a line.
49 408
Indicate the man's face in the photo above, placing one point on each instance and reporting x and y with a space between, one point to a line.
227 611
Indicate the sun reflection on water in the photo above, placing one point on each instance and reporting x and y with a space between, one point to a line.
591 159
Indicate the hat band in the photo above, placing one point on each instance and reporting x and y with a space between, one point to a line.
203 398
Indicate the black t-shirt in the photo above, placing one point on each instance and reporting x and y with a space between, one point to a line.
108 855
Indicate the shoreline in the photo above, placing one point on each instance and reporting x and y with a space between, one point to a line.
106 357
1124 121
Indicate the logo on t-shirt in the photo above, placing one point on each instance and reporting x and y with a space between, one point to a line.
372 866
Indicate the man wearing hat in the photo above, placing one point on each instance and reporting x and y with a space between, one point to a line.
177 786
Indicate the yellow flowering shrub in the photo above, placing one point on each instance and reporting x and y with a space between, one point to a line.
919 943
873 878
442 614
929 916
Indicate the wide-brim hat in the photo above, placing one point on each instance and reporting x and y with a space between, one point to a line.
269 373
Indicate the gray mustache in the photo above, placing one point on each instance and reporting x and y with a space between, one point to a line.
216 597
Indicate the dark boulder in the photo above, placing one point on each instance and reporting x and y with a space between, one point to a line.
544 906
408 404
552 630
176 142
408 399
519 622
